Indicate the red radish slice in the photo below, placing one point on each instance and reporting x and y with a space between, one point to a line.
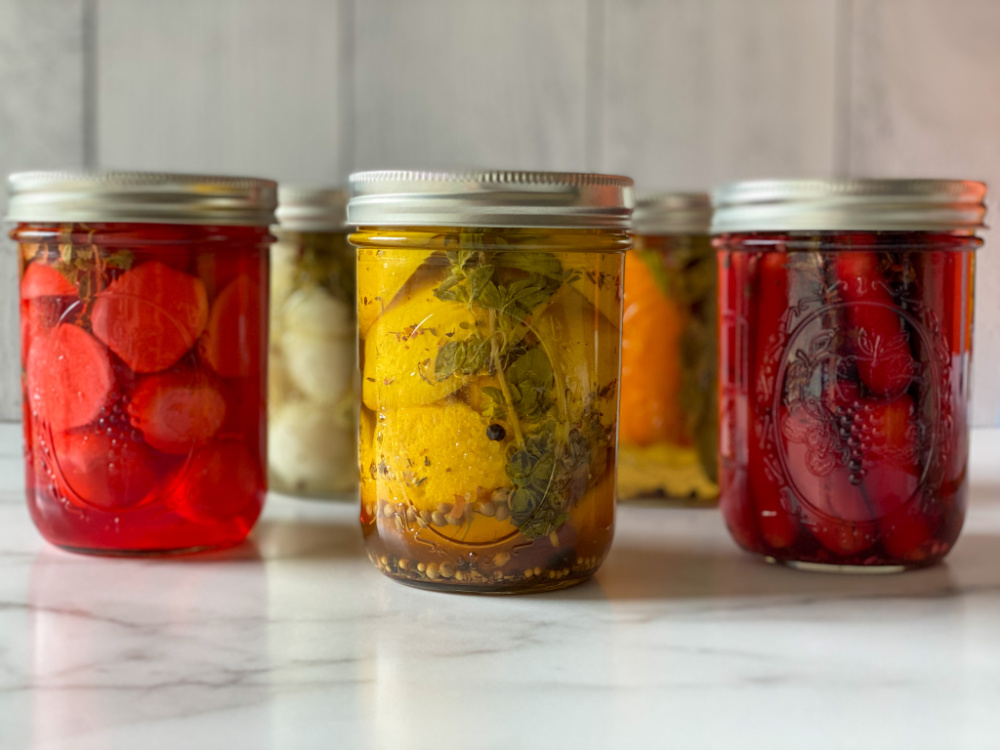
176 412
40 315
150 316
103 468
222 481
68 377
233 342
41 280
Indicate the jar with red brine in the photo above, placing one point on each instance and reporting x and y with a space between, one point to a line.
144 336
845 346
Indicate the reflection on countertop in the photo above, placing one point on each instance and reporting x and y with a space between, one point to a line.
294 640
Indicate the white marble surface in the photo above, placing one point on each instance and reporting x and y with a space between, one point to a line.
295 641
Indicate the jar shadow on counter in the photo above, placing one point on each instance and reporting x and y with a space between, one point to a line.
682 572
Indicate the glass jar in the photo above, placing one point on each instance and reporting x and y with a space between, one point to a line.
668 427
143 314
312 399
489 314
846 330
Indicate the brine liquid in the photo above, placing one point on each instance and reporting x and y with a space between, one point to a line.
143 353
844 395
489 365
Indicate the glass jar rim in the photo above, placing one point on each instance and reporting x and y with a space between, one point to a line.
303 208
140 198
666 213
846 205
490 198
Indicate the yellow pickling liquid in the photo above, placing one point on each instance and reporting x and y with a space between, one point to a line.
489 363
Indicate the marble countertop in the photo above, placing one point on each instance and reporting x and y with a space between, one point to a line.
295 641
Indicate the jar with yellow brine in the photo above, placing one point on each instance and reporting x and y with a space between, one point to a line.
489 311
668 433
312 407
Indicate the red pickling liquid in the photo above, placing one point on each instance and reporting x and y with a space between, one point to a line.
143 362
844 385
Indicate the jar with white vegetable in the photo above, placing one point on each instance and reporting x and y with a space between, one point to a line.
312 402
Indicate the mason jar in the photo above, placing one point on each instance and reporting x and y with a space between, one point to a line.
312 399
144 333
846 333
489 311
668 426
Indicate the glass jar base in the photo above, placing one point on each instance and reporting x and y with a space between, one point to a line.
525 586
452 579
98 552
843 569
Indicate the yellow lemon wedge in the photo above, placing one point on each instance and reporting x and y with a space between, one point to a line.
585 346
602 290
382 274
435 454
401 349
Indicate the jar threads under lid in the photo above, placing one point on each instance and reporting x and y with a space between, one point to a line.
846 205
490 199
140 197
312 209
661 213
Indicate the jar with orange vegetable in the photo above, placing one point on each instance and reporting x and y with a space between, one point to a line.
668 425
489 314
143 325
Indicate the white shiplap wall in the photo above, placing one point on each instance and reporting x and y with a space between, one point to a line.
43 122
677 93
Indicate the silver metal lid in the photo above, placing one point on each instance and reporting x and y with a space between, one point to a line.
844 205
490 199
672 213
311 209
142 197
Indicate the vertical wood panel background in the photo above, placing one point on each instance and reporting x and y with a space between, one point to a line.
678 93
42 126
925 100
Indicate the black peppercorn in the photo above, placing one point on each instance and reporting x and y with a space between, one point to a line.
496 432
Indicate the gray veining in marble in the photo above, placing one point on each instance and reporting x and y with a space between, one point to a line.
294 640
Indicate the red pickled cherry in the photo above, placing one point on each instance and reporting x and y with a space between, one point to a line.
882 352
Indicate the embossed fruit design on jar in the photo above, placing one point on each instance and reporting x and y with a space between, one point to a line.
668 427
143 319
312 374
845 345
489 312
